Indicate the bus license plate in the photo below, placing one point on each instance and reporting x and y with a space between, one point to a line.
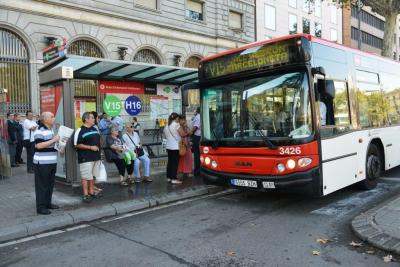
268 184
245 183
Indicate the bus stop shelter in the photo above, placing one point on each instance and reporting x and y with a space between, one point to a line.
58 94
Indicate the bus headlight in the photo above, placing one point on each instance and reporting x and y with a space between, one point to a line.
207 160
206 150
214 164
281 167
303 162
291 164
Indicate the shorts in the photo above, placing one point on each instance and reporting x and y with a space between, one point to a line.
89 169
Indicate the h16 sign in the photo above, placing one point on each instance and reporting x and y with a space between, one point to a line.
133 105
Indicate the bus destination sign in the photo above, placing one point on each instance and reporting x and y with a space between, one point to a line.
249 59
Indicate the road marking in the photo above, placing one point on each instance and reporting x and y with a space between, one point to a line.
345 206
127 215
34 237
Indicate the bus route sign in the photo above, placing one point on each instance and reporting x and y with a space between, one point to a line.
251 58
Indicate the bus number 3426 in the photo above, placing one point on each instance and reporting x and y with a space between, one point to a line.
290 150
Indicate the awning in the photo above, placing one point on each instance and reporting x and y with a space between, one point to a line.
105 69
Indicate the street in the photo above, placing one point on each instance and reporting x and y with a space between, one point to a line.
239 229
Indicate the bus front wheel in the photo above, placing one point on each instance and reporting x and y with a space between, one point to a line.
373 168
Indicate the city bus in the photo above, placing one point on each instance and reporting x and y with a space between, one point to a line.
298 113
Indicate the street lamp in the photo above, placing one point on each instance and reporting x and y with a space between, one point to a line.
359 4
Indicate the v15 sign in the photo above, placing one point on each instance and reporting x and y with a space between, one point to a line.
133 105
112 105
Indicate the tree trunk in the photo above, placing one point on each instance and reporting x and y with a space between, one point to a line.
388 38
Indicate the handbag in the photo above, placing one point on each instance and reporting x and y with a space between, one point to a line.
138 150
181 145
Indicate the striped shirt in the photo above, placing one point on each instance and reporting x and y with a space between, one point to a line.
46 155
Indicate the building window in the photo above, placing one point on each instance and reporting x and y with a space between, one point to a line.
334 14
85 48
367 38
14 72
317 8
334 35
194 10
292 24
270 16
307 6
293 3
306 25
318 29
368 19
235 20
192 62
147 56
152 4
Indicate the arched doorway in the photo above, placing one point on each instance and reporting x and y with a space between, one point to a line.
147 56
14 71
86 89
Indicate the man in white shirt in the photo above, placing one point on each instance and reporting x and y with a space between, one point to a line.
29 127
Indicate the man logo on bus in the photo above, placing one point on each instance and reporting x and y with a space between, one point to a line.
243 164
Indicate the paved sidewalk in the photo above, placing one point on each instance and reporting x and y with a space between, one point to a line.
380 226
18 213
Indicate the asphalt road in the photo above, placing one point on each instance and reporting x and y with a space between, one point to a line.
253 229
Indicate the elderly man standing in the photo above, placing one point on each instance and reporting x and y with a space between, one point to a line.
45 163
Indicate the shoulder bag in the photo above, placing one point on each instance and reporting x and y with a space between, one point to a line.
138 150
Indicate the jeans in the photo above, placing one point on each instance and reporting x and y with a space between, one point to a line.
146 164
196 153
18 154
13 148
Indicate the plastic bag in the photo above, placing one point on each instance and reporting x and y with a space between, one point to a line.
102 174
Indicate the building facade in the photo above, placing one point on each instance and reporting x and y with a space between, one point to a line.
282 17
372 27
168 32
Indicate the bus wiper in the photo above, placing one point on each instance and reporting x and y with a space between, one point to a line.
216 142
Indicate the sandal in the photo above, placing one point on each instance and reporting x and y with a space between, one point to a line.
123 183
97 189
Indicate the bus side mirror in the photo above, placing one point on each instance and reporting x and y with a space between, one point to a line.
318 70
321 86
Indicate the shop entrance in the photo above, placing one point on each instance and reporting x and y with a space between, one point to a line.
148 92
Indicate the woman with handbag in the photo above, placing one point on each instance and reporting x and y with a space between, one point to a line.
132 141
173 132
185 161
117 156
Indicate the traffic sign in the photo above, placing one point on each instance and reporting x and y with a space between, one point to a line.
133 105
112 105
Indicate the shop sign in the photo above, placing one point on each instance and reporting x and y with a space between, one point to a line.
118 87
150 89
55 50
112 105
133 105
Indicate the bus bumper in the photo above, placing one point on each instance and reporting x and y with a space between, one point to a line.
304 182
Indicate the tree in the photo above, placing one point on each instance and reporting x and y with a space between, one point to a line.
387 8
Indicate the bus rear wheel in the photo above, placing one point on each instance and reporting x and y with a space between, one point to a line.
373 168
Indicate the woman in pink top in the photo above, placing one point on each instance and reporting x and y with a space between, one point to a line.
186 161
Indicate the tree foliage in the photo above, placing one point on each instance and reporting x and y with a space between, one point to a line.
386 8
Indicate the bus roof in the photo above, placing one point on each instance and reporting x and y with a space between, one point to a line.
307 36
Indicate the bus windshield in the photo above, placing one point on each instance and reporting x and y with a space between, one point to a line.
265 108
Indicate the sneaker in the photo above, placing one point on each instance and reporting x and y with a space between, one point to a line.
138 180
168 180
147 179
87 199
175 181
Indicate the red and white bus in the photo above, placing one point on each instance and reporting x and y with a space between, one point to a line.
298 113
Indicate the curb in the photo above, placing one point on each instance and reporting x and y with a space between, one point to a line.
81 215
365 227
